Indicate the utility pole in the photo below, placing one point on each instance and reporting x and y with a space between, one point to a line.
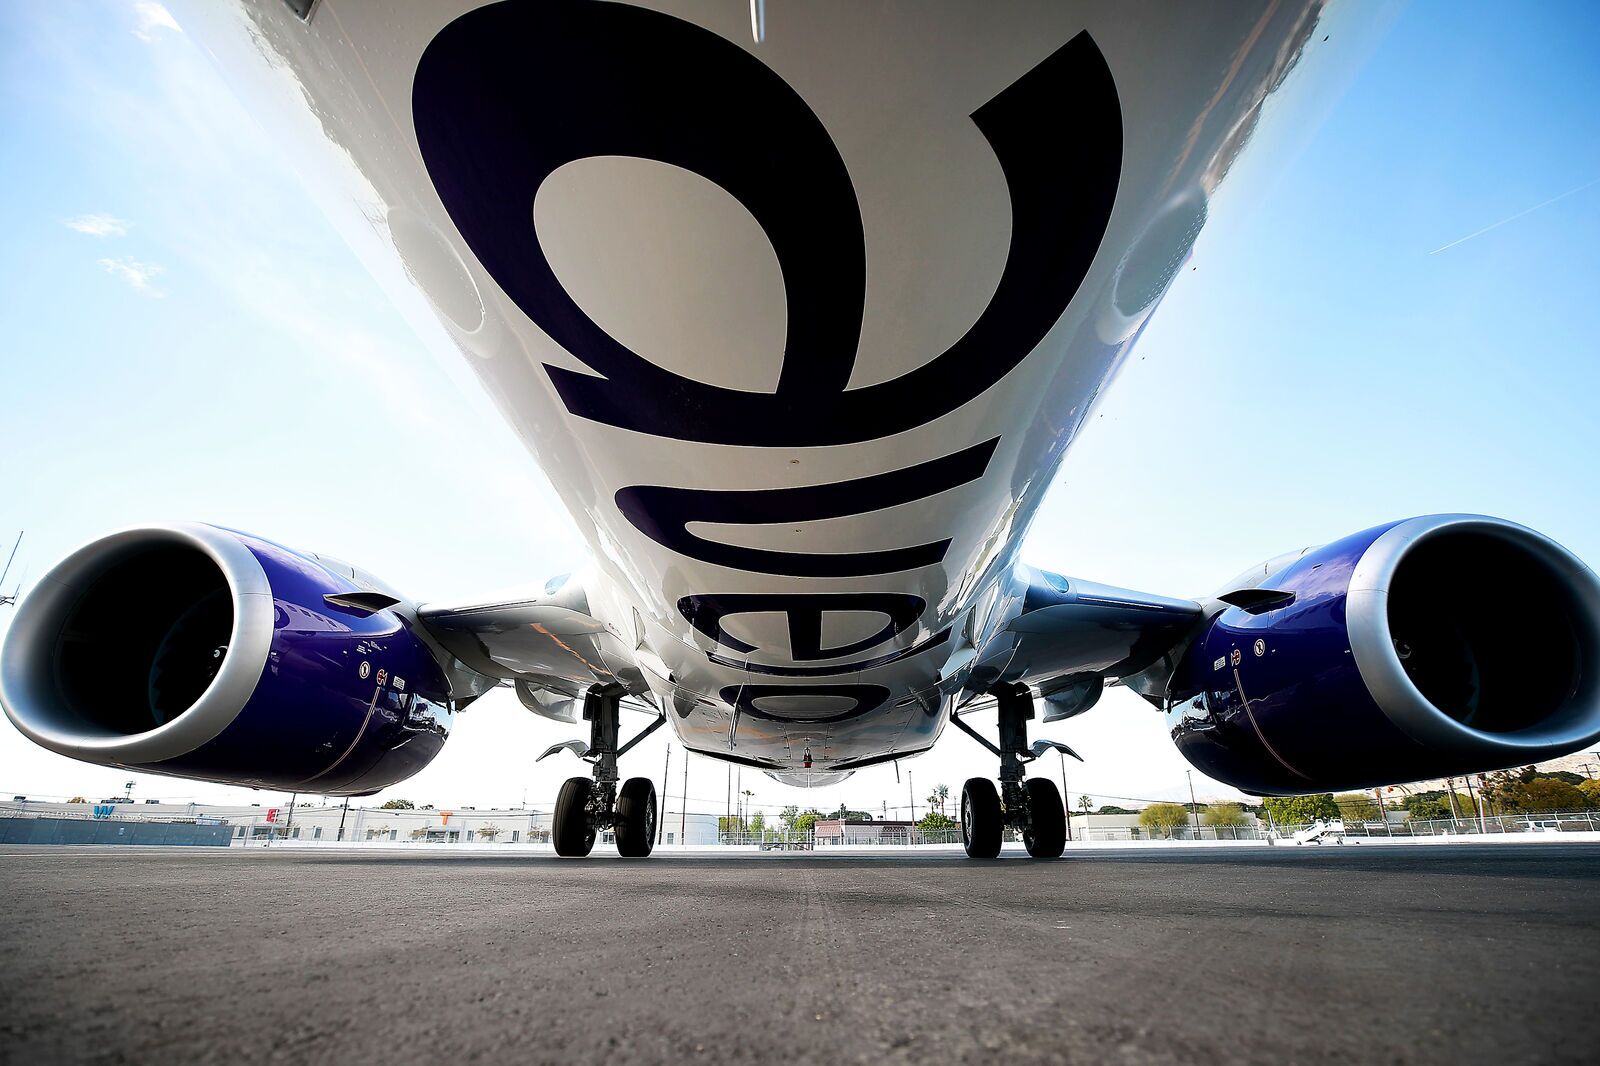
1455 810
1194 808
342 813
912 790
1477 801
683 812
290 823
1066 803
661 823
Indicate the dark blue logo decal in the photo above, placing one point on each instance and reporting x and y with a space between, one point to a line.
663 514
508 93
804 612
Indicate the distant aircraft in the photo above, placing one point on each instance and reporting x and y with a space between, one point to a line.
800 319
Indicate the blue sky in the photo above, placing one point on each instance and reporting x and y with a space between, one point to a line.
185 336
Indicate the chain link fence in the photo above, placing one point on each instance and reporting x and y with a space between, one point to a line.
850 834
1492 825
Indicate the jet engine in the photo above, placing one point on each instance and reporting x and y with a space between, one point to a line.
1424 648
201 652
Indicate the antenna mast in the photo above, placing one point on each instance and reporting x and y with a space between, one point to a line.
7 601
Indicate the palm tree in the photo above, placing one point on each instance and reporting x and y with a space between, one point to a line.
941 793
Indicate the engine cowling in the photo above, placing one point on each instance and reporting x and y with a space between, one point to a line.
1430 647
200 652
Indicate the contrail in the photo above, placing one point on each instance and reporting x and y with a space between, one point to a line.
1513 218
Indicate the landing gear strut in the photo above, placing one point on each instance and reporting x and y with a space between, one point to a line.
1030 806
586 806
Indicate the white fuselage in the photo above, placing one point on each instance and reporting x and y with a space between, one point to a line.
800 330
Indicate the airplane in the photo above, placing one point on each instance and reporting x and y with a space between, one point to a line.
800 308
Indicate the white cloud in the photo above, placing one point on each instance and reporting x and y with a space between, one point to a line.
152 17
137 274
97 225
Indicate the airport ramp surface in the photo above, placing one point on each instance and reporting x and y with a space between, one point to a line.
1448 954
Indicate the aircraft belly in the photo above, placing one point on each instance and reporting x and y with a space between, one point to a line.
799 330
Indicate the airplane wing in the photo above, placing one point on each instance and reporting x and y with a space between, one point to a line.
550 648
1067 638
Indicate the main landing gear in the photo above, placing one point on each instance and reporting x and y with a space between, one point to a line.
586 806
1030 806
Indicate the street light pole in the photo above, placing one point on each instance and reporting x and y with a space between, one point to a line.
1194 808
1066 803
661 822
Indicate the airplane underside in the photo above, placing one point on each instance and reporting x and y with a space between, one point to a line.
801 318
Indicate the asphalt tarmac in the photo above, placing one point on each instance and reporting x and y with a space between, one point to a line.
1283 955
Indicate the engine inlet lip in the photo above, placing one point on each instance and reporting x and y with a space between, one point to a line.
29 697
1371 643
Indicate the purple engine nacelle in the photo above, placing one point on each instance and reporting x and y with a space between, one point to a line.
1427 648
204 653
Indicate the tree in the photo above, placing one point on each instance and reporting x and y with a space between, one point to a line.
845 814
1113 809
788 815
77 799
1591 789
807 822
941 794
1357 807
935 820
758 823
1435 804
489 832
1547 794
1164 817
1528 790
397 805
1224 815
1296 810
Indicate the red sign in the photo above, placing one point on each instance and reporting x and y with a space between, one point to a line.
272 813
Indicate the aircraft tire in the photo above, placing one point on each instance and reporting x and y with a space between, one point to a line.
636 818
980 818
1046 835
571 832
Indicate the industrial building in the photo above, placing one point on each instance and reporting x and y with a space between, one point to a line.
333 823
